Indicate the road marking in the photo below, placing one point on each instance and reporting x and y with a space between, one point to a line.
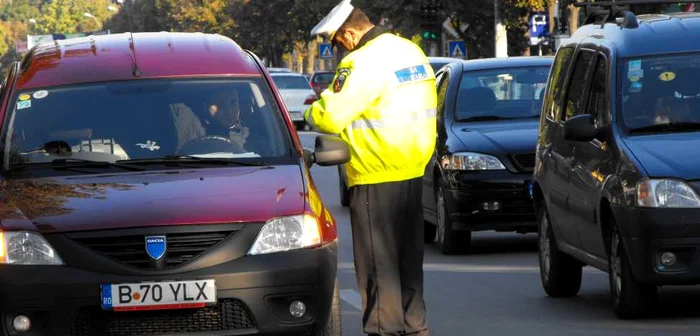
475 268
352 297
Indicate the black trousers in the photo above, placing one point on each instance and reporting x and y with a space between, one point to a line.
387 233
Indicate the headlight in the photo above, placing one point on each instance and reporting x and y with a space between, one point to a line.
666 194
287 233
474 161
26 248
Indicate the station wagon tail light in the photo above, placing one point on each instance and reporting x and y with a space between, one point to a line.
310 99
472 162
287 233
666 193
26 248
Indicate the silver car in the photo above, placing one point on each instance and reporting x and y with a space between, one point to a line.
297 93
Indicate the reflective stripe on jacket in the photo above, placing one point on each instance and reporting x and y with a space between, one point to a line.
382 102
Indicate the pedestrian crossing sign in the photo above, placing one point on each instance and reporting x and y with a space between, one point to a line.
325 50
457 49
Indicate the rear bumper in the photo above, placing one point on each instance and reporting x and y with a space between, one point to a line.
296 113
468 191
648 233
254 293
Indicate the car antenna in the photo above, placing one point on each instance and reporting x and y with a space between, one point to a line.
136 71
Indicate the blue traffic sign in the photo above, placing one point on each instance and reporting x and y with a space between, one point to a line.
539 25
325 50
457 49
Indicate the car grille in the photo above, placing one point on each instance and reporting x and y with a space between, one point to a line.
525 162
227 315
518 207
130 249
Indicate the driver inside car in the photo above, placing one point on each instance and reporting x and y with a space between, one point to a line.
671 110
224 118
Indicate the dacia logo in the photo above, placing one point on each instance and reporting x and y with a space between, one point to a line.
155 247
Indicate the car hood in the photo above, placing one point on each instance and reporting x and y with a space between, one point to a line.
667 155
197 196
513 136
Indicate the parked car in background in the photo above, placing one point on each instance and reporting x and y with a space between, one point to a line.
142 199
436 63
278 70
321 80
297 95
617 176
479 177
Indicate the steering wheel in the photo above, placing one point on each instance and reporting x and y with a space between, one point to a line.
210 144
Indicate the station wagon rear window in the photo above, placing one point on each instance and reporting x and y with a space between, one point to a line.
660 94
147 119
511 93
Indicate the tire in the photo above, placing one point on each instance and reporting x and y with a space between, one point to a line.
631 299
449 240
300 126
334 325
344 191
560 273
429 232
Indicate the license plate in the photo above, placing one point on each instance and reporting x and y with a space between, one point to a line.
158 295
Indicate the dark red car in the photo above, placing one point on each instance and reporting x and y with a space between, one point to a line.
321 80
154 184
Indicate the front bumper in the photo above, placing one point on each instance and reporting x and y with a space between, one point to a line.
254 293
468 192
648 233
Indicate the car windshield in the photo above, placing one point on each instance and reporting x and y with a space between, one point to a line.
147 119
501 93
323 78
287 82
660 91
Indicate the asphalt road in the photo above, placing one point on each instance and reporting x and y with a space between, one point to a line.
496 290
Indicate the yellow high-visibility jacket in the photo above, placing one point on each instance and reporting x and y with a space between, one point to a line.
382 102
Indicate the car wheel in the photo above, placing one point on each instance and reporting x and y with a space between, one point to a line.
560 273
429 232
299 125
334 325
631 298
449 241
344 192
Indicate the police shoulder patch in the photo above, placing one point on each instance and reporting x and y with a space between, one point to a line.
343 74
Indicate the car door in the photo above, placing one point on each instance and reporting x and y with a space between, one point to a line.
429 201
562 151
590 161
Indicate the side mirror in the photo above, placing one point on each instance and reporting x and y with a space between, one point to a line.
580 128
330 151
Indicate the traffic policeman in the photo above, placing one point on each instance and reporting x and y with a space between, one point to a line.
382 102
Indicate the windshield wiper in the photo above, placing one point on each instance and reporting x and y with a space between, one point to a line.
674 127
484 118
179 159
70 163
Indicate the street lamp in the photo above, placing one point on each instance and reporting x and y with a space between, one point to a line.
99 25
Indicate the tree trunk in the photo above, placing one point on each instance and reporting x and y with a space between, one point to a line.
311 55
573 18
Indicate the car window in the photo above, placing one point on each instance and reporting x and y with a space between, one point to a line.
148 119
660 90
442 83
291 83
323 78
578 84
559 71
501 93
597 99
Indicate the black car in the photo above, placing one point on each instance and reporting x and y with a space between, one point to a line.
617 178
478 179
436 63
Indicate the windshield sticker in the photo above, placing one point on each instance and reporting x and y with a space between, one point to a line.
635 65
635 73
24 104
667 76
150 145
41 94
634 79
636 87
24 96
